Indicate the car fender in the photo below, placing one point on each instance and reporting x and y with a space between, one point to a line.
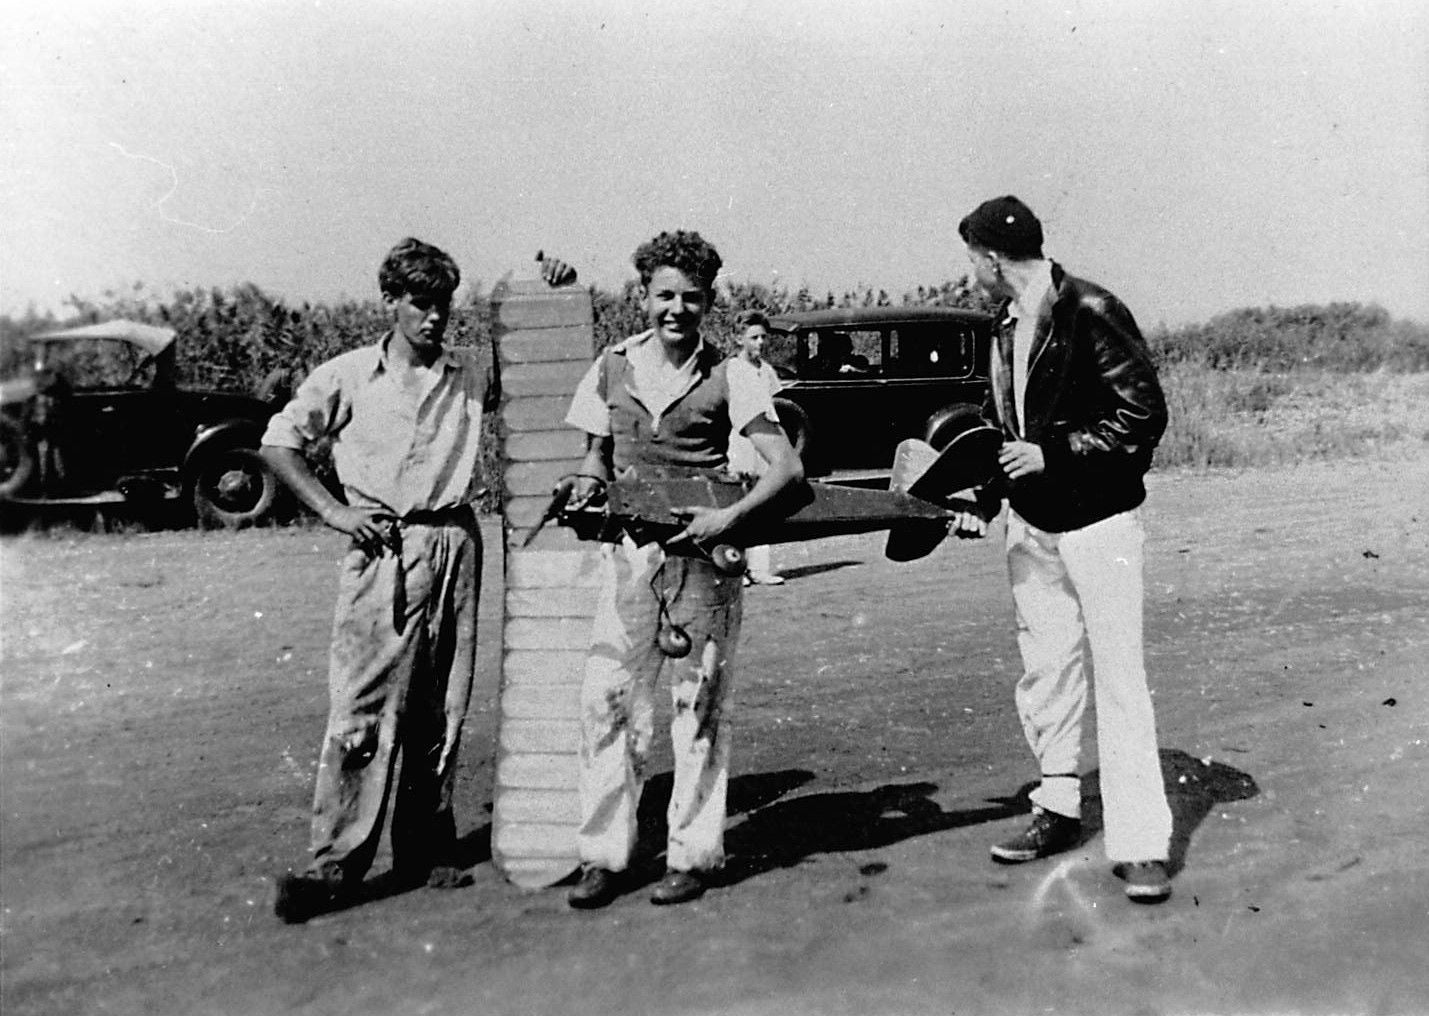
212 437
795 423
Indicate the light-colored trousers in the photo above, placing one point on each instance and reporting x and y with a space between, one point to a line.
399 677
617 705
761 561
1078 597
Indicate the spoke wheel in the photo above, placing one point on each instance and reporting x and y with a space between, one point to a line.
233 488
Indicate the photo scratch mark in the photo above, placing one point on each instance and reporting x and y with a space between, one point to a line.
1058 876
173 188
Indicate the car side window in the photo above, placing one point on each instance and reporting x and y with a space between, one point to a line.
925 351
845 353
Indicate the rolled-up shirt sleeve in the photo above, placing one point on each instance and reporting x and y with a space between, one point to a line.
748 395
313 412
588 410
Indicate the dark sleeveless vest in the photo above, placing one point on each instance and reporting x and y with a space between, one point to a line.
694 432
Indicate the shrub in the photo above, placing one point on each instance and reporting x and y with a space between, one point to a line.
1238 385
1339 336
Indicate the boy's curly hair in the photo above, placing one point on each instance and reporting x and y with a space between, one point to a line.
683 249
750 318
419 269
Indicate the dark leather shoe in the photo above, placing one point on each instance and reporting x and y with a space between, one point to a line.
596 888
300 898
677 887
1048 833
1146 881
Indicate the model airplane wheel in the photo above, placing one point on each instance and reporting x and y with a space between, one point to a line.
674 642
729 560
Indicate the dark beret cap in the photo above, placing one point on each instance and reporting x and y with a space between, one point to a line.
1005 225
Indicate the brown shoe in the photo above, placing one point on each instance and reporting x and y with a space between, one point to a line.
597 887
677 887
1048 833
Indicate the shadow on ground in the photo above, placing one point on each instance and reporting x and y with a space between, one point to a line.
778 833
781 833
804 571
1193 787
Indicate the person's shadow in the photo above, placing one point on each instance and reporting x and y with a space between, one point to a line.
1193 787
779 833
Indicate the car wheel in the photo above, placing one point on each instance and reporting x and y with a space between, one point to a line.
948 422
796 426
233 488
17 461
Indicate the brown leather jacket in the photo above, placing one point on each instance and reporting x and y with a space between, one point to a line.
1093 404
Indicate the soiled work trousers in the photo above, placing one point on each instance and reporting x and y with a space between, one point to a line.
617 705
1079 617
400 674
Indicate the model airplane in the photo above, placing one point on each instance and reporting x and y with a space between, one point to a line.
644 504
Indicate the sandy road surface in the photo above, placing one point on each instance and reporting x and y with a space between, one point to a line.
163 699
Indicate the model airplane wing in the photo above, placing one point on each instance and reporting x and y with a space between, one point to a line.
646 506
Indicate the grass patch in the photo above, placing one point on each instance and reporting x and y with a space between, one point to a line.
1243 417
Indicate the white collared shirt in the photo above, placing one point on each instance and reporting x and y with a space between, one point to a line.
396 449
1024 313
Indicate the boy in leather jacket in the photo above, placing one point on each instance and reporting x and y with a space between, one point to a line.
1076 395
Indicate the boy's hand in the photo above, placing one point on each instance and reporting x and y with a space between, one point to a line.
1021 458
369 528
968 526
705 523
555 271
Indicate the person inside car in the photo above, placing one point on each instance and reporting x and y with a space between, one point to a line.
835 356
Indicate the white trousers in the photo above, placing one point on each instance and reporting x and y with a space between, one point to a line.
761 561
617 705
1078 597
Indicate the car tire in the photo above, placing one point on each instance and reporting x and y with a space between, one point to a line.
233 488
17 460
947 422
796 427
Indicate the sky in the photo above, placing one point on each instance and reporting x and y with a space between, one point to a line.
1193 157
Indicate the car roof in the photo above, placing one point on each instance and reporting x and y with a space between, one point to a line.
868 317
151 338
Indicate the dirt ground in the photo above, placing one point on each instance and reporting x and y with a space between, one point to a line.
163 699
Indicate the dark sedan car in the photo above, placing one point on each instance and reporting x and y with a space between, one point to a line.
860 379
99 418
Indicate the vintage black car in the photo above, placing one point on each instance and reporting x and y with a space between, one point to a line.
860 379
98 418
